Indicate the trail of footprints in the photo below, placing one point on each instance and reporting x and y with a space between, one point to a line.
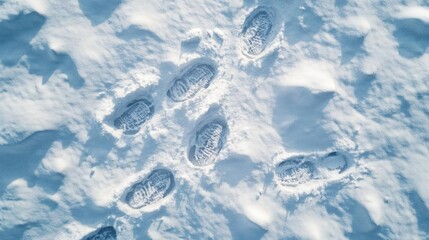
211 136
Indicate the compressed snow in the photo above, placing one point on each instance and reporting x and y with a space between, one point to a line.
342 76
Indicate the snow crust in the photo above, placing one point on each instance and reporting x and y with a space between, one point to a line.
336 75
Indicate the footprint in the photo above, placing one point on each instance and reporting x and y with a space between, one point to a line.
298 170
155 187
138 112
333 161
294 171
412 36
103 233
209 140
257 31
194 78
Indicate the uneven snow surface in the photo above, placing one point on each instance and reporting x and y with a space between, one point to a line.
342 85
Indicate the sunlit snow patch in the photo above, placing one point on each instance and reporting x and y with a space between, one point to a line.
103 233
209 140
298 170
137 113
257 30
194 78
155 187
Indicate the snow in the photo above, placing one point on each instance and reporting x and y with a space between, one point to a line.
321 78
335 75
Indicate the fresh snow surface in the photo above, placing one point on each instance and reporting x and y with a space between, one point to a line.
342 85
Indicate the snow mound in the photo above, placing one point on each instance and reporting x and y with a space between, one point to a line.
214 119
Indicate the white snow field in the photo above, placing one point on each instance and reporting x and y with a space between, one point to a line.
324 107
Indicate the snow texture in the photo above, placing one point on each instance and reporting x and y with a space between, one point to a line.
238 119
